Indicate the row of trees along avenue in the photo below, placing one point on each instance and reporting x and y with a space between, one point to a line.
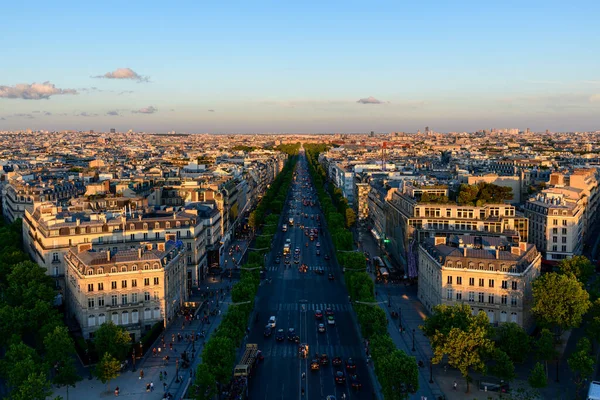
396 371
219 353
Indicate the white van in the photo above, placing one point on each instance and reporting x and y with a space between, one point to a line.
594 391
284 228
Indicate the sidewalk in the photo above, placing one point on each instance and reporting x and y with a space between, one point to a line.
129 382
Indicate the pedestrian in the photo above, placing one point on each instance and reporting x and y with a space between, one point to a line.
154 352
141 374
165 386
455 385
160 376
147 387
151 386
117 391
165 374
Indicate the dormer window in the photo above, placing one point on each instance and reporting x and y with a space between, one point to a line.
178 224
146 267
145 226
90 272
113 269
134 268
156 266
481 266
100 271
449 264
131 227
123 269
167 225
459 264
491 267
156 225
504 268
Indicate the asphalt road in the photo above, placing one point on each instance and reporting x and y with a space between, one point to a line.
293 297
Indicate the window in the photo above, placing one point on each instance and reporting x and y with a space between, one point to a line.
132 237
146 296
156 280
100 271
554 239
554 248
481 297
471 281
147 314
54 257
156 295
157 235
189 259
135 317
113 300
90 271
101 301
449 280
123 269
189 246
115 318
113 285
134 267
145 235
481 282
134 297
504 268
564 222
503 316
491 299
504 299
167 225
491 283
554 222
146 267
555 231
563 248
459 264
125 317
471 297
146 281
100 286
101 319
459 280
113 270
156 313
513 301
564 239
90 287
564 231
124 284
504 284
134 283
90 302
513 317
178 234
458 295
514 285
123 299
91 320
449 294
155 266
481 266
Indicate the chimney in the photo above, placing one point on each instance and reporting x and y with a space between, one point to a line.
515 250
140 252
497 253
108 255
160 246
464 251
523 246
84 247
77 221
440 240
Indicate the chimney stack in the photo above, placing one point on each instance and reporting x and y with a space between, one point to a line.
108 255
140 252
464 251
497 253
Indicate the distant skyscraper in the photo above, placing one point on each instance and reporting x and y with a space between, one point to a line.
426 129
113 130
527 130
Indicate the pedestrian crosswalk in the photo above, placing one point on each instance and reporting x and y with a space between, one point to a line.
288 349
277 267
309 306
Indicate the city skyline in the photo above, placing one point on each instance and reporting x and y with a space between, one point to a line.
336 67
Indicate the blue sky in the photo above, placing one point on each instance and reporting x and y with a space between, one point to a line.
301 66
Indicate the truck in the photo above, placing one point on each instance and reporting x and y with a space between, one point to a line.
284 228
243 371
286 246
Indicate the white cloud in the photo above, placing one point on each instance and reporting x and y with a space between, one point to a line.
146 110
35 91
370 100
124 73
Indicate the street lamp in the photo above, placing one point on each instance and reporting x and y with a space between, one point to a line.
431 370
413 348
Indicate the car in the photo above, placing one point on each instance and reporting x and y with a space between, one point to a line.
280 335
296 261
320 271
291 335
318 244
324 359
327 256
268 331
331 277
331 320
319 314
315 365
321 328
318 252
329 311
336 362
340 377
355 382
350 364
272 322
287 261
277 260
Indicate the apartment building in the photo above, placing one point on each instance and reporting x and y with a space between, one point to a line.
49 232
557 222
408 218
20 195
493 274
134 288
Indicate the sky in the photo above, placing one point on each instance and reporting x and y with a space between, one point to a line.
306 66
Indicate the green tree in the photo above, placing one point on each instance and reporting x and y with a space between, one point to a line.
35 387
112 339
544 347
59 354
350 217
462 337
593 320
18 363
219 355
559 301
514 341
537 377
397 370
581 364
578 266
503 367
107 369
206 383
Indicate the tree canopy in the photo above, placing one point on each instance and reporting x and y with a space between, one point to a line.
483 193
578 266
514 341
112 339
